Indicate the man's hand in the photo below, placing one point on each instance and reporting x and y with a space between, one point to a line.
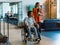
31 26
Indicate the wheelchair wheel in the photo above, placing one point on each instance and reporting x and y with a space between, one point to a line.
38 41
25 37
25 41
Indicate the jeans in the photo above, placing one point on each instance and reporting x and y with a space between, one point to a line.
30 33
41 25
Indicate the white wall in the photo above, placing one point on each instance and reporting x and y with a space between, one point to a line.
58 9
27 3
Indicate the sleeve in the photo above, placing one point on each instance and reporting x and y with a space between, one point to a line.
26 22
34 20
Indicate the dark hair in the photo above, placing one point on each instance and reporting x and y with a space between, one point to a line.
29 12
36 4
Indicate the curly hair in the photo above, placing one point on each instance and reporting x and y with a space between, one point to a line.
29 12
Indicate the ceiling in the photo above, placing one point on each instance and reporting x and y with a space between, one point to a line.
10 0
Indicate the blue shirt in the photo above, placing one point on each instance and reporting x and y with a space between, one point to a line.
29 21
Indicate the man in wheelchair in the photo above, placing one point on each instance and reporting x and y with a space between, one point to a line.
30 25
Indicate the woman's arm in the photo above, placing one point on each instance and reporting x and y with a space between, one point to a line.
41 12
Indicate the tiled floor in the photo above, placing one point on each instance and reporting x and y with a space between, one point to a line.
16 37
52 34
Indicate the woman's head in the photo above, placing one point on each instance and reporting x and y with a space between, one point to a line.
37 4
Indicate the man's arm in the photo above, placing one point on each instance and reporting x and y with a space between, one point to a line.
26 21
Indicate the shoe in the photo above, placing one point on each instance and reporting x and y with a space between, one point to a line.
26 34
40 38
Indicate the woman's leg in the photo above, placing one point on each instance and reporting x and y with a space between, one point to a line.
39 30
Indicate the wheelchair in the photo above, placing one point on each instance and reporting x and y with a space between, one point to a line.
27 38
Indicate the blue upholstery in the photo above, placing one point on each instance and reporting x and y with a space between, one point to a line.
50 24
52 20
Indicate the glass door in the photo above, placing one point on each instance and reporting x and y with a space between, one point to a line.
20 13
1 10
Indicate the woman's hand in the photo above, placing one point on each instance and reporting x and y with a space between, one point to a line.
37 25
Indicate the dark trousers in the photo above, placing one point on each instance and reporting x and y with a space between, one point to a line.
41 25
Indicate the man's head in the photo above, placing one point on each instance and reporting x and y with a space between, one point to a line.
30 13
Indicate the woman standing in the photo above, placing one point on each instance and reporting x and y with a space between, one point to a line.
38 14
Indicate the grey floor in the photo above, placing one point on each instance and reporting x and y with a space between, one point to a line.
16 37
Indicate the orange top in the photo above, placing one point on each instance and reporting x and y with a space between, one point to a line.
36 16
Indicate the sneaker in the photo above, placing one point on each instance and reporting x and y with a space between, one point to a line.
26 34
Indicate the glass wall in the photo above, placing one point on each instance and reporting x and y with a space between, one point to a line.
1 10
20 13
6 8
14 8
